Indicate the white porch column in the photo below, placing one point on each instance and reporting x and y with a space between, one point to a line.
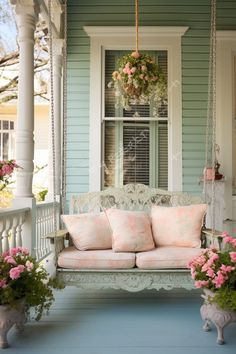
57 107
26 17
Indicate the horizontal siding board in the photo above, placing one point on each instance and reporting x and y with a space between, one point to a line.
195 57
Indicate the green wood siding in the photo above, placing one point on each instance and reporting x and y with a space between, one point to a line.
195 51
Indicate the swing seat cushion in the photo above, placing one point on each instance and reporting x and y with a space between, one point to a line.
72 258
90 231
178 226
131 230
166 257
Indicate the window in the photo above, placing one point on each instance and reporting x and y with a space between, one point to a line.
107 134
6 139
134 150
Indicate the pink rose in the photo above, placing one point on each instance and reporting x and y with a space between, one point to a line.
16 271
232 256
10 260
7 169
3 283
143 68
133 70
29 265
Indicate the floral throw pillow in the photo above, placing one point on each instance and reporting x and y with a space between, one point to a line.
131 230
89 231
178 226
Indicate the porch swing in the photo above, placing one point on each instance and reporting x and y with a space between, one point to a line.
97 268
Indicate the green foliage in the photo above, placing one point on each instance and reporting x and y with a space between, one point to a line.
42 194
226 298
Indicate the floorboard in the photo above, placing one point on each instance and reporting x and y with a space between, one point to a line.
118 322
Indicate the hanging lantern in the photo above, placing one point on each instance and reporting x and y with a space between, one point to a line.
138 79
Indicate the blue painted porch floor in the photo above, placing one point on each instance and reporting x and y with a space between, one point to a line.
118 322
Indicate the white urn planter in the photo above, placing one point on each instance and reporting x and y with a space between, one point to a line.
211 313
8 317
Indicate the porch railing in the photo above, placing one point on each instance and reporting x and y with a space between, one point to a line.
11 222
12 228
44 226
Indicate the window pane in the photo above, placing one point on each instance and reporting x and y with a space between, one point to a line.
162 139
11 125
110 155
5 145
5 125
136 154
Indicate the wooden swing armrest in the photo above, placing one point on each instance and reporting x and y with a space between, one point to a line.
209 232
58 234
211 238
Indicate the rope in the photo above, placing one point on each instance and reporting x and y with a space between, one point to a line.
136 21
210 152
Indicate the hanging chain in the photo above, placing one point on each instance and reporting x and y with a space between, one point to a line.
55 226
210 153
136 22
64 138
213 157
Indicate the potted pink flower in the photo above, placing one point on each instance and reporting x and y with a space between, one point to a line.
215 270
24 284
7 168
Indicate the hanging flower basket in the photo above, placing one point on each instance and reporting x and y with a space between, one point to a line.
138 81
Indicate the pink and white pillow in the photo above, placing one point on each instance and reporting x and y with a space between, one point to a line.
178 226
89 231
131 230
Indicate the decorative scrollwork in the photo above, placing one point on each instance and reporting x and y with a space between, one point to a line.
131 197
133 281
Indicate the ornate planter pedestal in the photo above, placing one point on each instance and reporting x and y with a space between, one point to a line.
211 313
8 317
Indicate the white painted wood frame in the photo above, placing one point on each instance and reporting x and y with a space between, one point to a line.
226 50
123 38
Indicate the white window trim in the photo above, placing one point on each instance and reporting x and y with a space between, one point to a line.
226 50
151 38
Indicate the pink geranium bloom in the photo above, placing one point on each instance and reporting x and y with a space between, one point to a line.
224 234
232 256
201 283
219 279
226 269
210 273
